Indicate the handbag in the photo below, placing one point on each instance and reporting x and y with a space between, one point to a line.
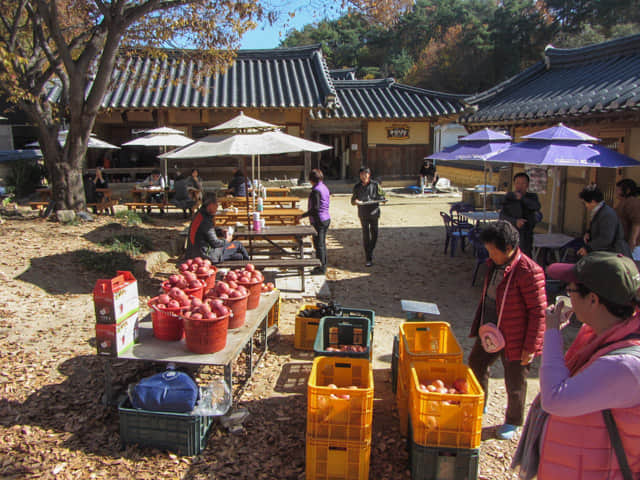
169 391
491 337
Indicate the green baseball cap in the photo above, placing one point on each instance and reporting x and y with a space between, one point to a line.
611 276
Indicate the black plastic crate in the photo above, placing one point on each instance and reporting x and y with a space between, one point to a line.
395 359
178 432
334 331
436 463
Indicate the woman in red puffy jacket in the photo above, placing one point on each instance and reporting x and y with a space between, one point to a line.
514 299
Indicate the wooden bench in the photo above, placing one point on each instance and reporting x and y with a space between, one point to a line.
38 205
135 206
283 263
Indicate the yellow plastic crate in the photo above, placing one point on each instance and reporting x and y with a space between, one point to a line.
442 419
432 341
337 460
402 403
306 329
273 317
346 412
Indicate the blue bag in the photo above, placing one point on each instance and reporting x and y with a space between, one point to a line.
168 391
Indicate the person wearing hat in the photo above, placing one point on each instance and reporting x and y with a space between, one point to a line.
202 240
367 195
514 301
600 373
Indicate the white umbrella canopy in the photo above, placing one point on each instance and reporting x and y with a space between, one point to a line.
94 142
161 137
243 135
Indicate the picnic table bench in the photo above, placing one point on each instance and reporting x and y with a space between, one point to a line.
272 216
135 206
282 263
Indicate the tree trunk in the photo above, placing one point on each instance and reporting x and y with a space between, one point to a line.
67 188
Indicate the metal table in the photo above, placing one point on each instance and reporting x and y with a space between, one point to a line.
480 216
553 242
150 348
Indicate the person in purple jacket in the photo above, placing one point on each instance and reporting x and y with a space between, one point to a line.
318 213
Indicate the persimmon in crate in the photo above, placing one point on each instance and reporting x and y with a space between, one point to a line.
340 399
433 341
440 415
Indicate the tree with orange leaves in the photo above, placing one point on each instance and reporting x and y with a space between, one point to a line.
71 48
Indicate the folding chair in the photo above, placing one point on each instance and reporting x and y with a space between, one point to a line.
453 233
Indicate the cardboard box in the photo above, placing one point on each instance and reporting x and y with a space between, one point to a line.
116 299
115 338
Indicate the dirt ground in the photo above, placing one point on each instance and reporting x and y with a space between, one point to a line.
53 423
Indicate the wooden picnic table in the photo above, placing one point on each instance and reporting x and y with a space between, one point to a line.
272 216
106 203
280 201
45 194
139 194
277 234
278 191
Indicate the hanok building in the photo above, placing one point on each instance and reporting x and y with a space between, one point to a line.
594 89
380 123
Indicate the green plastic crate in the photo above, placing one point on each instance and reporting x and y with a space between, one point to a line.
360 312
178 432
346 335
435 463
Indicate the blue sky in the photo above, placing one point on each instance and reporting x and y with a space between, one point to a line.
265 36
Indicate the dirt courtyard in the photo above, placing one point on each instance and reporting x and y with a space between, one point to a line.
53 423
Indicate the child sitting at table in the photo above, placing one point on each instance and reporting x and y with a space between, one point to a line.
233 249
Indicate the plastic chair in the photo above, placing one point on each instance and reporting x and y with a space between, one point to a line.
457 212
454 232
479 252
443 185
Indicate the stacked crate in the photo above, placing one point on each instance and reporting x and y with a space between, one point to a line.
340 401
443 429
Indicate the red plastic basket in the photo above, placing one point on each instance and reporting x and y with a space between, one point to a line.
238 306
206 336
196 292
255 289
208 280
167 323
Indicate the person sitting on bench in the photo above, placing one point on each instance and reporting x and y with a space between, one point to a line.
202 240
153 189
182 197
233 249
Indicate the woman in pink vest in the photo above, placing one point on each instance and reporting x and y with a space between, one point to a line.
599 373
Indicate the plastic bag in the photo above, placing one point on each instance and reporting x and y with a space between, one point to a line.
169 391
215 399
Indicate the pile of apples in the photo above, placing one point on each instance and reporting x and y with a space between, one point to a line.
459 386
202 267
227 289
183 281
209 309
174 298
247 275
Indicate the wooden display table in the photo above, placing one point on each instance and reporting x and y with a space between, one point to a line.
262 320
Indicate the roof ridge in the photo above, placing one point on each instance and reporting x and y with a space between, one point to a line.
391 82
629 45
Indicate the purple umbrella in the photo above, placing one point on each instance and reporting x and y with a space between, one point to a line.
480 146
561 146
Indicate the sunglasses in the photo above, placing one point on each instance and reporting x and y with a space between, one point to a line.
571 290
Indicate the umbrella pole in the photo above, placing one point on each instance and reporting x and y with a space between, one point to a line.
253 176
246 195
553 197
484 197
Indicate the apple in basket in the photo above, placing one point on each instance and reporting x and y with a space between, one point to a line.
173 304
163 299
222 287
231 276
249 267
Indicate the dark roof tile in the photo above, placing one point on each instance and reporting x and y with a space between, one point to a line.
595 79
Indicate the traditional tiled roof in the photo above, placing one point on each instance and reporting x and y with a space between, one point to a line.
343 74
386 99
276 78
597 79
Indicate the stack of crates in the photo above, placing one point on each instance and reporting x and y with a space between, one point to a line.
443 429
306 328
339 418
340 398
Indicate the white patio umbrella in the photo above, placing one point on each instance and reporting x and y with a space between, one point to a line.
245 136
161 137
94 142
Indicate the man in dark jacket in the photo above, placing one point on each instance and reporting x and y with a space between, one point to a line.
521 208
514 299
203 241
238 184
606 232
367 195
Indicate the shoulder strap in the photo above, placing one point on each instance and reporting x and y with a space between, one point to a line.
631 348
506 287
616 443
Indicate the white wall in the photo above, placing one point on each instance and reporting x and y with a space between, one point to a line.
6 137
447 135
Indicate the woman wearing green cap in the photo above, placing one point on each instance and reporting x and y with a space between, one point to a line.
600 373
